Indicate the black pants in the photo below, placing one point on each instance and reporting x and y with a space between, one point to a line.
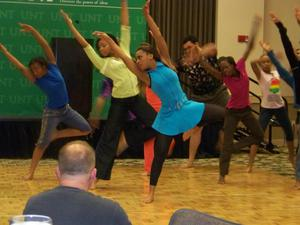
107 146
211 114
232 118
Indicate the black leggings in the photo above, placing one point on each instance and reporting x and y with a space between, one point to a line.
211 114
107 145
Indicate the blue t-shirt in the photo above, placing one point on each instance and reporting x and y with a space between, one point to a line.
53 85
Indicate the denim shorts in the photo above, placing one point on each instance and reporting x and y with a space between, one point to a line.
52 117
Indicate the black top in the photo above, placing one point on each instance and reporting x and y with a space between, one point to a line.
201 81
292 58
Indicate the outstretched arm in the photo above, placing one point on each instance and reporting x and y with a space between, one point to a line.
126 59
23 69
287 44
255 63
209 50
81 40
297 14
158 38
199 55
97 61
41 41
253 33
124 13
284 74
255 67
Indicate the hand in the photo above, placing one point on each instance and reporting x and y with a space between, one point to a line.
192 55
66 17
265 46
274 18
26 27
297 14
146 8
2 48
185 61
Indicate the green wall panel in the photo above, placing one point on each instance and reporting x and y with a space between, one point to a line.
20 99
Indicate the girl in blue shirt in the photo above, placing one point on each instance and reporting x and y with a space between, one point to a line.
46 75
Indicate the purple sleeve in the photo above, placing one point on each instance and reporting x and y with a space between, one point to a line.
106 88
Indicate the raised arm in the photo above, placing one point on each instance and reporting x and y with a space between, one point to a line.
255 68
81 40
284 74
143 76
287 44
199 55
255 63
252 36
23 69
158 38
41 41
297 14
125 37
124 13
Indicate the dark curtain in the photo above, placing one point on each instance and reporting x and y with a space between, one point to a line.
77 71
179 18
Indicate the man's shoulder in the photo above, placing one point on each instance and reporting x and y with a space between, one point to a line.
74 193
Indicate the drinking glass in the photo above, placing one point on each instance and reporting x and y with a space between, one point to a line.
30 220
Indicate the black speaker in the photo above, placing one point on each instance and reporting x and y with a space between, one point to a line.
77 71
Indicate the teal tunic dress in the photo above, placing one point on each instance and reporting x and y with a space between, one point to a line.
177 113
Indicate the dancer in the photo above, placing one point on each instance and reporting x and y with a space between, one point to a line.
177 113
235 77
272 103
46 75
70 203
125 92
134 132
94 119
293 57
155 102
204 88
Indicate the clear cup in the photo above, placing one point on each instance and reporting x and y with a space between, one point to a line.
30 220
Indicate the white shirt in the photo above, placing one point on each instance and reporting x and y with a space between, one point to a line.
270 87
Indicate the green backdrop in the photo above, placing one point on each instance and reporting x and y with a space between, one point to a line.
19 99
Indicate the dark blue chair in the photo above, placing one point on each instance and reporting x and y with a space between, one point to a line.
193 217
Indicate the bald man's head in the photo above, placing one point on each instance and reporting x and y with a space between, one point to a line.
76 158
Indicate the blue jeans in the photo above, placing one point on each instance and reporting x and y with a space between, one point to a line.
281 116
52 117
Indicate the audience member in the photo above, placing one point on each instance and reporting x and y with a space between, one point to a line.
70 203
